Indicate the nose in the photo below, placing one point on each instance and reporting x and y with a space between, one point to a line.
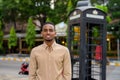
48 31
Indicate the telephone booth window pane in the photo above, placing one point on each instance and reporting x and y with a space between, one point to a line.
75 43
94 50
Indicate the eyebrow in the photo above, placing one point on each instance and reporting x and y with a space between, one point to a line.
50 26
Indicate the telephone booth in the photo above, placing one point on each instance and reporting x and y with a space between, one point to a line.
87 43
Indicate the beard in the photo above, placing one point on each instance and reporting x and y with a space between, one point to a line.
48 40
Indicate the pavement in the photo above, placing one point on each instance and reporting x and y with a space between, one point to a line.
26 59
14 58
11 77
112 72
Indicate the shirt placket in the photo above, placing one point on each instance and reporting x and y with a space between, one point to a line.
49 66
49 54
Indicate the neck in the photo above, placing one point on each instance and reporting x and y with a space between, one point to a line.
49 43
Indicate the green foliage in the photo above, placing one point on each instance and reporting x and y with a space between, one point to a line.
95 32
1 36
116 14
14 10
93 2
114 5
61 10
9 10
12 41
48 20
115 29
108 18
69 6
105 9
58 14
114 8
30 34
111 55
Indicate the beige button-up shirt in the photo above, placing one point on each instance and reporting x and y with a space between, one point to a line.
53 65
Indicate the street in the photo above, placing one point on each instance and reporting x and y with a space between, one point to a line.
113 73
9 71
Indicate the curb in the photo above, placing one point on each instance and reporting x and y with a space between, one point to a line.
27 59
114 63
15 59
110 63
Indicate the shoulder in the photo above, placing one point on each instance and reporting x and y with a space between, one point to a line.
39 47
36 50
59 46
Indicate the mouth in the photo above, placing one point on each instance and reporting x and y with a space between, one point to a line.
47 36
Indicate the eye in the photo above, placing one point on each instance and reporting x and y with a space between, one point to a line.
51 30
45 30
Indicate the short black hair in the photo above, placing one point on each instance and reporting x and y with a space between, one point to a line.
47 23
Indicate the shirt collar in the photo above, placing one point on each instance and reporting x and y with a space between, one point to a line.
45 45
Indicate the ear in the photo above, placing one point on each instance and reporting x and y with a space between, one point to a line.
41 33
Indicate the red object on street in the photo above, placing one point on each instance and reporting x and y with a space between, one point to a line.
98 52
24 68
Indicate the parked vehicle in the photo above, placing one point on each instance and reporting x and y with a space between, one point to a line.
24 68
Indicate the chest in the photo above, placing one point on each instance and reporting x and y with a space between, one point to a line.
55 56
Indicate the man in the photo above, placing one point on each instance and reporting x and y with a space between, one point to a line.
49 61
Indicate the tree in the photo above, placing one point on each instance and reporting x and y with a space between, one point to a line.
9 11
1 36
12 41
114 10
61 10
30 34
14 10
115 29
69 7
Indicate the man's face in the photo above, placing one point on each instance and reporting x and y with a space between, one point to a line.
48 32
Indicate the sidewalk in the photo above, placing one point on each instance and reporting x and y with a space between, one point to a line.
114 63
26 59
22 59
113 73
10 77
15 57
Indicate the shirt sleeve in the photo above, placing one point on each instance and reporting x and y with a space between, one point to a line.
67 66
32 66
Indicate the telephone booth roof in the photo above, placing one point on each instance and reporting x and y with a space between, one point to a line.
88 13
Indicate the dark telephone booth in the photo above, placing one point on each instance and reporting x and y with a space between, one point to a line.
87 43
